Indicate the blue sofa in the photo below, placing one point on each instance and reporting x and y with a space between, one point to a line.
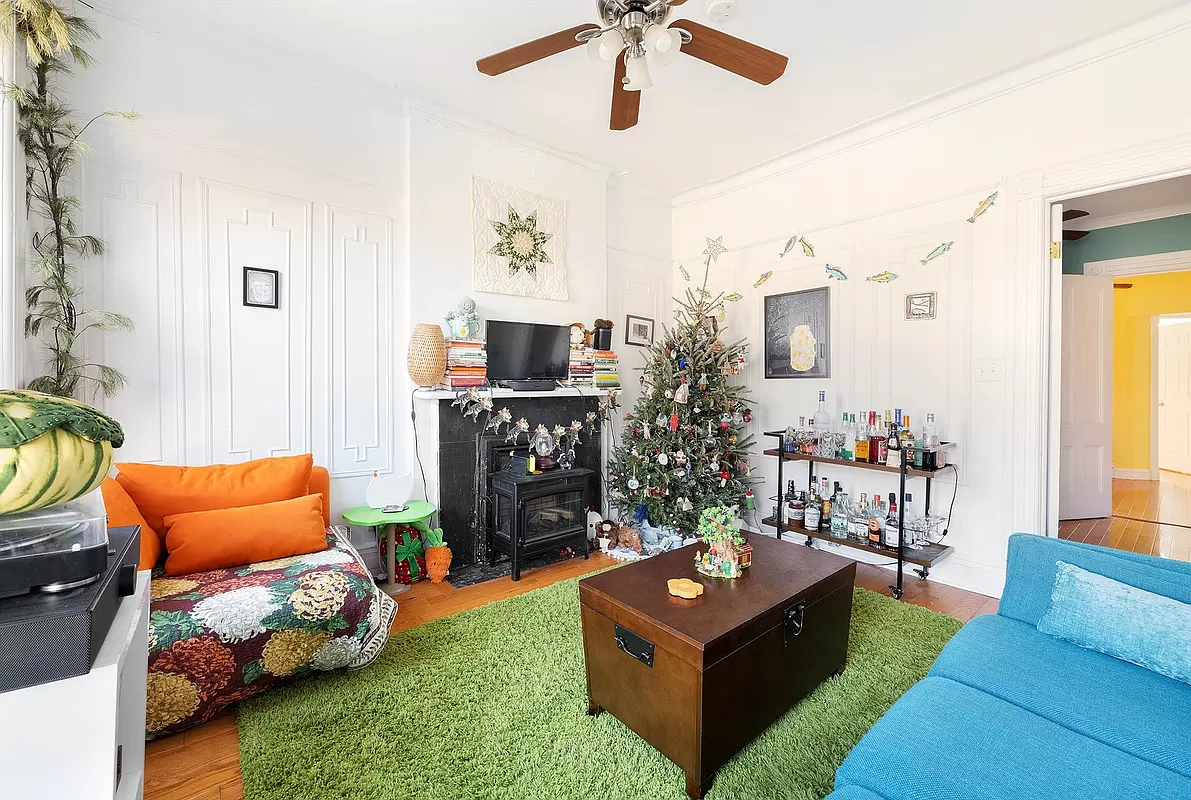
1008 713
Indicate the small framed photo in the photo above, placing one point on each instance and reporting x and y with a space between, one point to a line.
798 334
261 287
638 331
921 306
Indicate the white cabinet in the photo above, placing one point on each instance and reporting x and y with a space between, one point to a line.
84 738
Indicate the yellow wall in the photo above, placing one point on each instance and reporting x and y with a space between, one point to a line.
1168 293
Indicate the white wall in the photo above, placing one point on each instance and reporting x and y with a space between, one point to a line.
881 197
361 202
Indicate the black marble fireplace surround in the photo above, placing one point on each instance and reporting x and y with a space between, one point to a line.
468 453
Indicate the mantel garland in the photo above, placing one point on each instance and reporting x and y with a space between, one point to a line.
475 401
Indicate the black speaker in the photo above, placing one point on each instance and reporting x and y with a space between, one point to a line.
47 637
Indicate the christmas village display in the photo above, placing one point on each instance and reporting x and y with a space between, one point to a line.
684 447
728 555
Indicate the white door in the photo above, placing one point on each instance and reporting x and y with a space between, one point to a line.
1085 416
1174 394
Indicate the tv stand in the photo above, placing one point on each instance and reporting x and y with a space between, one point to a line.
530 386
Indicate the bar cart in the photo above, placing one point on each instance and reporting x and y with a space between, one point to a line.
924 558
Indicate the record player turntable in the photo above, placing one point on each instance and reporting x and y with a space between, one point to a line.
54 549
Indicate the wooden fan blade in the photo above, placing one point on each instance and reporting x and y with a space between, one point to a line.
735 55
626 105
1073 213
673 3
1074 236
533 51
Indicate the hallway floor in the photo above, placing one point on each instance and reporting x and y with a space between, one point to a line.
1150 517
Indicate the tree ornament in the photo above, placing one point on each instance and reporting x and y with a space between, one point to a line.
725 422
674 421
682 392
703 381
645 431
748 416
713 465
679 458
682 362
669 394
663 459
661 420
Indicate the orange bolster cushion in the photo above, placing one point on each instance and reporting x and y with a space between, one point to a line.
161 491
123 512
232 537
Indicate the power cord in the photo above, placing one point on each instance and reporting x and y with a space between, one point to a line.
951 508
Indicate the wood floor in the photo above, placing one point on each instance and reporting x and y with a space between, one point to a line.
1149 517
204 762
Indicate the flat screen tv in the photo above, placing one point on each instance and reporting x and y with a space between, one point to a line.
525 351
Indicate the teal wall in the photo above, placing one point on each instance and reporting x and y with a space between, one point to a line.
1124 241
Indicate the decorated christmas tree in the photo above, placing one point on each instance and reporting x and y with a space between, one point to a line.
683 447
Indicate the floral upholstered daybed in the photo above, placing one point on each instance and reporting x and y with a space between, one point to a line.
219 637
251 584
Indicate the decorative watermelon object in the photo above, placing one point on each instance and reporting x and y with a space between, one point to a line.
52 449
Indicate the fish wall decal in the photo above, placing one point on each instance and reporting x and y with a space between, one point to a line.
764 277
834 272
732 298
789 246
938 251
686 276
883 277
984 206
807 248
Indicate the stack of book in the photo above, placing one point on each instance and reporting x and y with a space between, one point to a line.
606 370
467 364
582 365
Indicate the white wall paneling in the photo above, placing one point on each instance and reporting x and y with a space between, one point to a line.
137 213
258 359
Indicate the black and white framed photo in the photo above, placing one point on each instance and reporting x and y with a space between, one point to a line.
261 287
922 305
798 334
638 331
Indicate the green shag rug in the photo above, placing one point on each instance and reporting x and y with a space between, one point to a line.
491 703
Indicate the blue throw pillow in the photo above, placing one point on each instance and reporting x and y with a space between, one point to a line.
1119 620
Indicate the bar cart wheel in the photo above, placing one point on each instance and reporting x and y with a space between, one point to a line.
895 593
923 573
810 542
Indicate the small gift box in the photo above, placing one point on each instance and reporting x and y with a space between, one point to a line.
409 552
744 555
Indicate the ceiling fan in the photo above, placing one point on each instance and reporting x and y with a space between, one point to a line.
637 28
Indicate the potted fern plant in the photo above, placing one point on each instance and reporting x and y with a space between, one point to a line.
438 556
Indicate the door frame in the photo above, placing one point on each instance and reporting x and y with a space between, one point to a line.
1155 465
1136 167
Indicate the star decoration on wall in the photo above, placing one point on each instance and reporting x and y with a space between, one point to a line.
715 248
521 242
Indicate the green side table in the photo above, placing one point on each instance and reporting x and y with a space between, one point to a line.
417 513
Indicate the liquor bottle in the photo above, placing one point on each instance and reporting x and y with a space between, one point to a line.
893 447
892 523
876 522
840 511
862 439
849 437
822 420
906 432
876 441
908 512
930 432
858 523
798 510
812 512
825 507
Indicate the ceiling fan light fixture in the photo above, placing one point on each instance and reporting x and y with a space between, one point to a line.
637 73
605 47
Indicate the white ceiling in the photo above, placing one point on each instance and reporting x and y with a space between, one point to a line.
849 62
1147 201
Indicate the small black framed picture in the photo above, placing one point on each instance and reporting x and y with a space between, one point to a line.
261 287
638 331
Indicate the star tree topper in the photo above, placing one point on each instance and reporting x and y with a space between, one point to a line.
521 242
715 248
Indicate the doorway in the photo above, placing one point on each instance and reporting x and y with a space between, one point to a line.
1124 467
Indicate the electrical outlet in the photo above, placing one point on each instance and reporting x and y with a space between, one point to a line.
987 370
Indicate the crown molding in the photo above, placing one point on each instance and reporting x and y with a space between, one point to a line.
1095 223
448 117
1151 29
1177 261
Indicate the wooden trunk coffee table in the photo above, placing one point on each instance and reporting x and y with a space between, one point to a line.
699 679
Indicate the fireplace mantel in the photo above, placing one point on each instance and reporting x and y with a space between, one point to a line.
449 445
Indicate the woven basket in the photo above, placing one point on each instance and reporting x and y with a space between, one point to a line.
427 354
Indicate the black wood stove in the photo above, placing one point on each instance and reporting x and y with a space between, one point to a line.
535 514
